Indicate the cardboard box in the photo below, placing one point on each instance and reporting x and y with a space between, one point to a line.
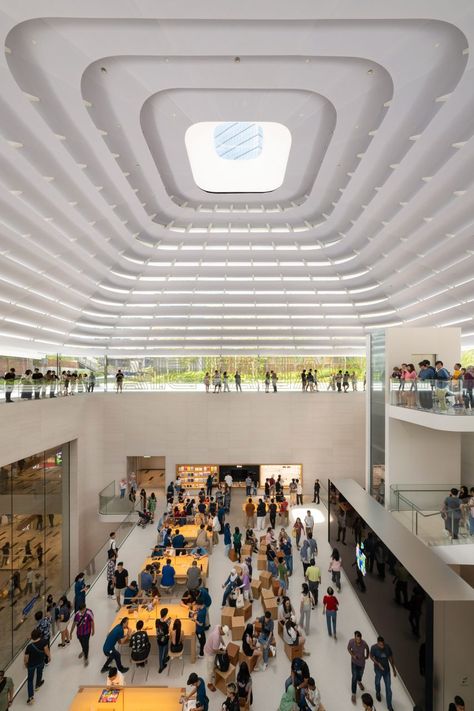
256 587
224 678
227 615
247 611
238 627
232 554
247 550
294 650
266 579
233 650
239 611
267 594
261 562
271 605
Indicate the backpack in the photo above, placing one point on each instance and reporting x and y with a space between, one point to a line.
222 661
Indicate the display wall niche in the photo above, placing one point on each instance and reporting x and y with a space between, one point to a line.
194 476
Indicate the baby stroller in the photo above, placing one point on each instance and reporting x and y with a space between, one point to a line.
144 518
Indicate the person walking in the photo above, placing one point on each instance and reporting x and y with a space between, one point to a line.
330 608
274 378
9 384
451 513
316 490
80 590
63 620
110 572
299 493
313 576
359 651
335 565
297 531
118 634
261 514
83 622
308 523
199 617
306 605
209 485
225 381
237 542
238 381
272 512
36 653
382 656
162 625
214 644
120 581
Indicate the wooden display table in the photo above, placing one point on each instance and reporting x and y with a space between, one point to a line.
136 698
181 563
189 530
175 611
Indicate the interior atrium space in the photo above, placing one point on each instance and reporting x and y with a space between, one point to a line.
202 204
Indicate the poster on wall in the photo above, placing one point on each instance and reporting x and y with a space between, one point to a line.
287 472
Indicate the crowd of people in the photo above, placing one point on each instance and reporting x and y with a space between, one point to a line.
296 620
36 385
434 385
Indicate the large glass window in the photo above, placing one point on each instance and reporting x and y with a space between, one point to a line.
34 541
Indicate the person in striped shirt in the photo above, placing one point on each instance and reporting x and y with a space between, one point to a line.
84 623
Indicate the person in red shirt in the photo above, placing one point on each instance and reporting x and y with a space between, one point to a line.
330 607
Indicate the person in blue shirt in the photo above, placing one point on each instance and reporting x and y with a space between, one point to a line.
80 589
199 617
178 542
167 575
204 598
157 552
382 657
146 579
117 634
199 692
286 548
167 538
227 539
131 593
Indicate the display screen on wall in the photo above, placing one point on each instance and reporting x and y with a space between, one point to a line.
398 607
239 472
287 472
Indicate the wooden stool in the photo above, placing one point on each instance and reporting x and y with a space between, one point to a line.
224 677
233 650
294 650
135 667
176 656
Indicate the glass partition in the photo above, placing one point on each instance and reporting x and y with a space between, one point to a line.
377 416
34 540
444 397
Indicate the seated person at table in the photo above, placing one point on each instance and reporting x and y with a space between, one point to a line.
201 539
167 538
167 575
178 542
131 595
189 598
310 697
198 552
147 579
140 645
157 551
115 678
176 637
193 576
198 692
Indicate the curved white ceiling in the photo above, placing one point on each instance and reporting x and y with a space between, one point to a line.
107 243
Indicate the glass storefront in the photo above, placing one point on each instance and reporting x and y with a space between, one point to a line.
34 541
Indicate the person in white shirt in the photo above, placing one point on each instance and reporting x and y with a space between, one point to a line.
229 481
115 678
216 527
309 523
299 494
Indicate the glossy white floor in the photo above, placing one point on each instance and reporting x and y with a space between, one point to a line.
329 661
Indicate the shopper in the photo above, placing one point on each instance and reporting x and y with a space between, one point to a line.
140 645
266 635
306 605
36 653
299 493
367 702
297 531
316 490
110 572
199 617
237 542
119 381
308 523
118 634
214 644
9 384
63 620
80 590
335 565
244 685
313 576
83 622
261 514
198 692
359 651
120 581
238 381
274 379
382 657
162 625
330 608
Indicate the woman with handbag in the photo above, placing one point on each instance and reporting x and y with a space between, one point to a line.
335 565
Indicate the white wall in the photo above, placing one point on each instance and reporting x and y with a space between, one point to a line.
421 455
467 459
323 431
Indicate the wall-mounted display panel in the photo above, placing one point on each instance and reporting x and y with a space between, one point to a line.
194 476
287 472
